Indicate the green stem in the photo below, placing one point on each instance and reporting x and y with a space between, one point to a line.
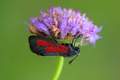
59 68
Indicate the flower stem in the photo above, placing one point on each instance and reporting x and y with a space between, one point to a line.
59 68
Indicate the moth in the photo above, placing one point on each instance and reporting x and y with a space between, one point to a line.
46 46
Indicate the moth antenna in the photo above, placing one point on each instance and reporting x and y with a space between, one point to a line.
71 61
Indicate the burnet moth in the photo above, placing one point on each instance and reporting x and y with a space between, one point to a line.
45 46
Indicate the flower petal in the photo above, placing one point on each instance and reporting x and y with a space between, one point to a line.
39 25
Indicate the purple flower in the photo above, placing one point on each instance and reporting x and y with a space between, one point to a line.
90 31
39 25
62 23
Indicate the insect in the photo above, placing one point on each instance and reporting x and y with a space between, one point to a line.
45 46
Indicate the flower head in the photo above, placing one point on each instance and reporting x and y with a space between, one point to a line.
63 23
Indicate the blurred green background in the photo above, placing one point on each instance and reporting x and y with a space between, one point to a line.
17 62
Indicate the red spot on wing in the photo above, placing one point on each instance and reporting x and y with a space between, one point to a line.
57 49
44 43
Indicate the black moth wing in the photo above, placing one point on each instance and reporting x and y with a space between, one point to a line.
33 46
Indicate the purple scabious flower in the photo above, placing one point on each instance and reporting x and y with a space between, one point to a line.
63 23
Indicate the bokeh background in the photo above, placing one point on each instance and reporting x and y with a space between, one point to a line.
17 62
